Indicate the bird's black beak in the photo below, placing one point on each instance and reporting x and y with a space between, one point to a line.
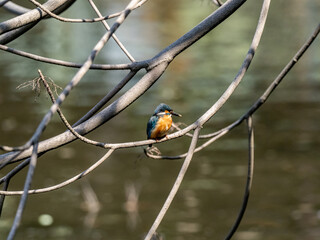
176 114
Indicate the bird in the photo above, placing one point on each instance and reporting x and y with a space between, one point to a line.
160 122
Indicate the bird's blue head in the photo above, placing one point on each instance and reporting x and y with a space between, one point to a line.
163 108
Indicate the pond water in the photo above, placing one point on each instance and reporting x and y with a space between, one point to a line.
285 198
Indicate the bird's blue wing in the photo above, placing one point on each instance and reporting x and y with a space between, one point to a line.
151 125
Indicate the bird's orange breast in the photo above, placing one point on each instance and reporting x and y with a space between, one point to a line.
163 125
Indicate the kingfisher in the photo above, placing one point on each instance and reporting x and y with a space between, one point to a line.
160 122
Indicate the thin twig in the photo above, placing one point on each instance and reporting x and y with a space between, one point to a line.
2 197
176 185
24 196
135 66
80 20
64 183
5 163
15 170
217 2
284 72
63 118
33 16
16 149
249 179
122 47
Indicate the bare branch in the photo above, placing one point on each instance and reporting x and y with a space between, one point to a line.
217 2
13 157
31 16
64 183
80 20
2 197
13 8
2 2
130 66
176 185
27 20
255 42
113 35
24 196
284 72
249 179
63 118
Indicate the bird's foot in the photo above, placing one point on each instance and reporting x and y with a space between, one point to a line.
153 150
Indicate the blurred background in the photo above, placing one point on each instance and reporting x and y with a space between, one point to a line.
121 198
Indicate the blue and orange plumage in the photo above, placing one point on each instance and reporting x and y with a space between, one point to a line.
160 122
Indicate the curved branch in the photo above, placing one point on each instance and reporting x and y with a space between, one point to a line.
130 66
80 20
249 179
31 16
13 34
2 2
63 118
64 183
255 42
13 8
113 35
15 27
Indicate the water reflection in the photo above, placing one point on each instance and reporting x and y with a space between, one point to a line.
131 189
